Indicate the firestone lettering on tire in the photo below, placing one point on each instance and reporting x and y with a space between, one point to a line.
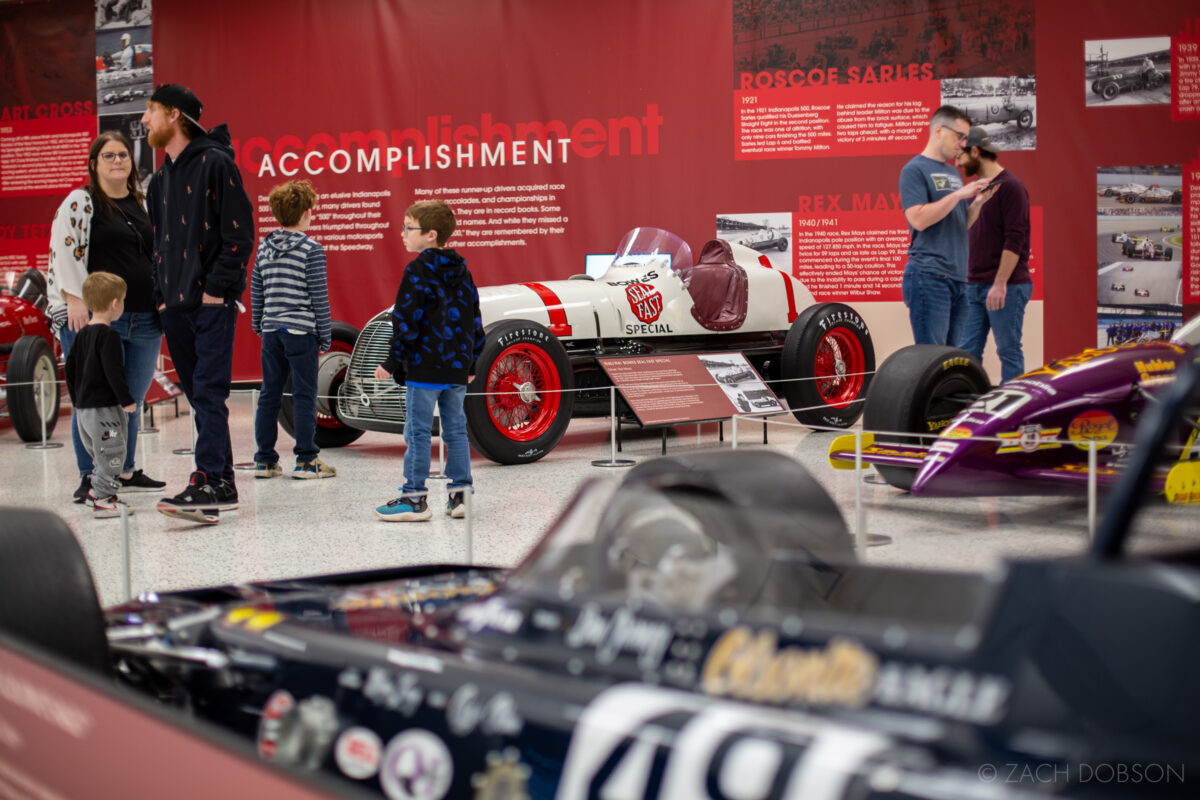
841 317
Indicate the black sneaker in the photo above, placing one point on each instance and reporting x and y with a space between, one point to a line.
227 494
140 482
456 506
199 502
85 486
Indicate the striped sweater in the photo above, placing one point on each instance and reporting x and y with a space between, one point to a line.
287 289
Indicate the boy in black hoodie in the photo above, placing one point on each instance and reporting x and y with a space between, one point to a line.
203 239
437 334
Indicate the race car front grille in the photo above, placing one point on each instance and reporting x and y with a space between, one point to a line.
362 397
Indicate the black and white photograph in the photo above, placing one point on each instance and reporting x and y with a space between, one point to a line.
1006 107
122 13
1127 72
741 383
769 233
124 69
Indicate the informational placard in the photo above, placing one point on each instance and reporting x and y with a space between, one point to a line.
1185 72
1191 235
666 390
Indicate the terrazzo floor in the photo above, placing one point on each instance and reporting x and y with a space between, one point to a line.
288 528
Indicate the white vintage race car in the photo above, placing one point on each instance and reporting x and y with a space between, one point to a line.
539 365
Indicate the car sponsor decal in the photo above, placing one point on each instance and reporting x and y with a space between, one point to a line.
467 710
645 301
957 432
495 613
1096 425
646 742
416 766
1029 439
1000 403
270 724
621 632
747 666
554 307
357 753
402 694
505 778
1155 371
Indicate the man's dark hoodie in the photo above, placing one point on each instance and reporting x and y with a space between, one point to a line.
437 331
203 224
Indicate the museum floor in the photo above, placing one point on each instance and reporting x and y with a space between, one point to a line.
286 527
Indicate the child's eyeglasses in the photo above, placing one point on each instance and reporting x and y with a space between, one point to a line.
408 228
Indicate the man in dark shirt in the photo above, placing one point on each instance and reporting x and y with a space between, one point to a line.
998 280
203 239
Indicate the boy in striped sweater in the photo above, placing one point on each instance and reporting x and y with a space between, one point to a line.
290 311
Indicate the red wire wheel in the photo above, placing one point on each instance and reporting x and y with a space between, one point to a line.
521 400
524 392
838 367
827 361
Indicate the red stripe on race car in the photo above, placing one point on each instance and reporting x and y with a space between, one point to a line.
554 306
791 297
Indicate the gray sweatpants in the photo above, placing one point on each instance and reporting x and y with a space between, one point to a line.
102 431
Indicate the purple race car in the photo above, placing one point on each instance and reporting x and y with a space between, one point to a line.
1030 435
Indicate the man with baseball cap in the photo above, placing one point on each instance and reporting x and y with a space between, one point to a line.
998 281
203 238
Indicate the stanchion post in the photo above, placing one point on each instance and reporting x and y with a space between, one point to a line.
468 494
127 583
43 444
1091 490
860 534
733 432
613 461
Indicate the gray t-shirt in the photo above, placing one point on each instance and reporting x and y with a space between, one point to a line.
941 248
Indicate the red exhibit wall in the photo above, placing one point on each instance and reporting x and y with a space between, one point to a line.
660 120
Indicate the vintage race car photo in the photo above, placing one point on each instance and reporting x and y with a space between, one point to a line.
539 364
1031 435
703 629
1167 229
1132 80
766 239
1127 268
1148 250
1117 191
30 358
1117 287
1140 292
984 111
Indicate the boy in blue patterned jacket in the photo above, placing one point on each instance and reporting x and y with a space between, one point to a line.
289 302
437 334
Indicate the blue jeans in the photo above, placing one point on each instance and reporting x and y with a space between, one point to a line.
937 307
1006 324
141 336
418 423
283 353
201 344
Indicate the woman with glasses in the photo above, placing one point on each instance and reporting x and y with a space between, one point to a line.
103 226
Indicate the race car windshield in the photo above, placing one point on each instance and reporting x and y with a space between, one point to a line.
682 550
644 245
